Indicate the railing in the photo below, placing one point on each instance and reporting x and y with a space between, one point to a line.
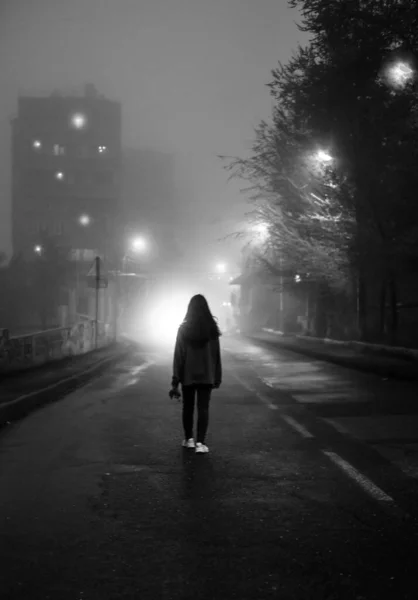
26 351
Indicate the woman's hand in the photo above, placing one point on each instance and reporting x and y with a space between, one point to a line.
174 392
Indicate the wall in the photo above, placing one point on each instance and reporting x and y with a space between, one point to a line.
23 352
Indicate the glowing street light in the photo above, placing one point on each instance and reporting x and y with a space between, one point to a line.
221 268
78 121
139 244
261 230
84 220
399 73
323 157
37 144
37 249
59 175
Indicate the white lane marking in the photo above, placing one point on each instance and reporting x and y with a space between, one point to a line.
364 482
297 426
339 427
250 388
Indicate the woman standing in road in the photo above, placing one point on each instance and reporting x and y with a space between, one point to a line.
197 366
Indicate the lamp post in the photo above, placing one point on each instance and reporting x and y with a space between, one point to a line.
137 245
399 73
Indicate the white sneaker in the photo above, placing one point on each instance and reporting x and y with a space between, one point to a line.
189 443
201 448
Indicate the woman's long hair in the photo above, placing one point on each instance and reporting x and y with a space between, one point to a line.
199 324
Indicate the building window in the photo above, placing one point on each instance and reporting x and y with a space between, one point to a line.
58 228
58 150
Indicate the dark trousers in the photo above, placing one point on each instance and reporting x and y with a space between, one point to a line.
203 393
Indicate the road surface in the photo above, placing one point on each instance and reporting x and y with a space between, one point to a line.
310 489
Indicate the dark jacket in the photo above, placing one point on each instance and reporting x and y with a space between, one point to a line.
197 358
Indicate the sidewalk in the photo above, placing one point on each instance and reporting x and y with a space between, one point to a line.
343 354
24 391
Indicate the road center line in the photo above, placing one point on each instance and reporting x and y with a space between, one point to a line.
297 426
368 486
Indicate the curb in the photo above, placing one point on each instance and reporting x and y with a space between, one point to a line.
20 407
399 372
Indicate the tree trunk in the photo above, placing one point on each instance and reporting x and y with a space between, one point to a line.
362 307
321 324
382 311
393 297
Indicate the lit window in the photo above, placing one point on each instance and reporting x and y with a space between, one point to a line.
78 120
37 144
59 175
58 150
57 228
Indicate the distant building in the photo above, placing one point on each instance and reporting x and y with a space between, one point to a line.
66 161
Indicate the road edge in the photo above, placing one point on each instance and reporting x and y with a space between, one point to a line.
20 407
369 366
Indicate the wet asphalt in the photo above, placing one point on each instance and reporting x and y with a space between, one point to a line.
98 500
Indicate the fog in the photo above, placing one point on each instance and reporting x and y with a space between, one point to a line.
190 76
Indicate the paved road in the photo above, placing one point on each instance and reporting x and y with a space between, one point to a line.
296 499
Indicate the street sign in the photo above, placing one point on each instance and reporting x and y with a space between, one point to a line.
92 272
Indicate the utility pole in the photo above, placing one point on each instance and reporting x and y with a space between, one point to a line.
97 287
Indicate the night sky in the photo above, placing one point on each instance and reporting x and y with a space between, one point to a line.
190 74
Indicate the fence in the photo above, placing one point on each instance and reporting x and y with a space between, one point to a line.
27 351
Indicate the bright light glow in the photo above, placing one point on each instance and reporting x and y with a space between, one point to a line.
37 144
59 175
297 278
261 231
221 268
79 121
261 228
102 149
166 317
400 73
84 220
37 249
323 156
139 244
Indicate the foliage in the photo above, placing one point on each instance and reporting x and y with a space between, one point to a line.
344 94
336 94
309 228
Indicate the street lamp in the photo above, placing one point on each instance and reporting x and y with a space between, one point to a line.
78 120
261 230
400 73
221 268
139 244
322 156
84 220
37 249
